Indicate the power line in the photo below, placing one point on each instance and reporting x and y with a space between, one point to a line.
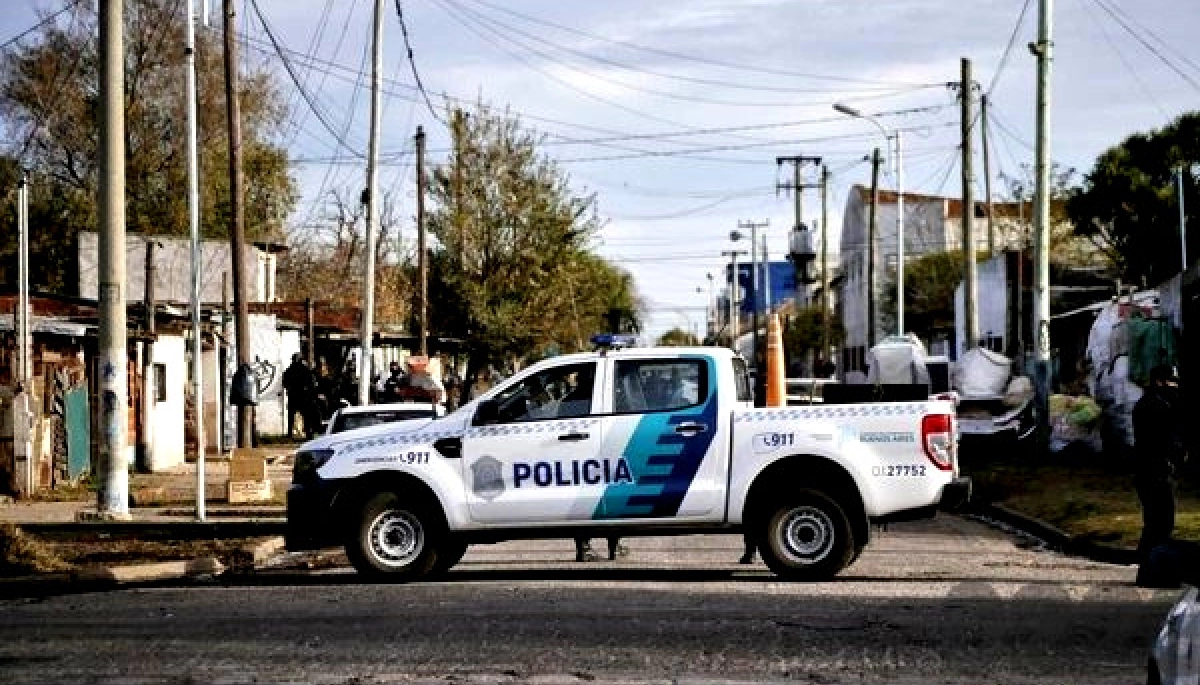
1012 40
1121 57
413 63
1166 46
664 75
47 20
693 58
1153 50
299 86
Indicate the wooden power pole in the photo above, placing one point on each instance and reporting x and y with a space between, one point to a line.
422 258
872 231
237 215
970 278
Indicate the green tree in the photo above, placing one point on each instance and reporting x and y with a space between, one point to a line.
677 337
1129 204
929 284
511 272
49 105
802 332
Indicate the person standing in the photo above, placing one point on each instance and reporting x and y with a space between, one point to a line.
1158 450
300 386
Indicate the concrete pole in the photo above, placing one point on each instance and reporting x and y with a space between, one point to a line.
872 230
149 386
22 314
223 444
1183 220
825 323
899 168
368 303
733 296
422 251
310 332
766 276
193 171
1041 220
113 497
970 278
237 232
987 174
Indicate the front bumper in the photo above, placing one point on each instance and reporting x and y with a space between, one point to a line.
955 494
312 516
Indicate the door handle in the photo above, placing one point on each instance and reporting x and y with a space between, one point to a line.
573 437
690 428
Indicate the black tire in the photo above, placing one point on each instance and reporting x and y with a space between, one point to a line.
394 538
450 553
806 536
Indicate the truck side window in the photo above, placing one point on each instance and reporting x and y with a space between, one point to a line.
644 385
742 378
562 392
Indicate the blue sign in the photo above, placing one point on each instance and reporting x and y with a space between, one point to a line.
779 278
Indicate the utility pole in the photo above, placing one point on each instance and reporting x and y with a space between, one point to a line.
21 318
237 214
797 242
149 394
368 303
899 169
193 171
1183 218
733 296
113 499
766 275
987 174
753 227
824 261
1041 221
872 230
970 279
422 261
310 331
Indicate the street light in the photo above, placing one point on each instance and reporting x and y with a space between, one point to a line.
899 171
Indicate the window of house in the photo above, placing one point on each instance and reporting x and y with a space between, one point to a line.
160 382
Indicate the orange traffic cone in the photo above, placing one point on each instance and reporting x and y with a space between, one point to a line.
776 379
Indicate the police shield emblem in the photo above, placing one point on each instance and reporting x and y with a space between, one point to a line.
487 475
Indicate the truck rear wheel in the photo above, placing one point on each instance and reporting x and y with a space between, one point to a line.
806 537
394 538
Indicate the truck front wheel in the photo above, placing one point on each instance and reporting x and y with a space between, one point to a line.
806 537
394 538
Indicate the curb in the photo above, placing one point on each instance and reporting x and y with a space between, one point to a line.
1057 538
176 530
145 573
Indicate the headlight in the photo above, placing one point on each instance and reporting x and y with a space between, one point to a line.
307 463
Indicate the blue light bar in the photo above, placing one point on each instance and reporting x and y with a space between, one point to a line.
613 341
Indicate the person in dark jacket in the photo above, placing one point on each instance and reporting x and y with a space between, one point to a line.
301 388
1158 451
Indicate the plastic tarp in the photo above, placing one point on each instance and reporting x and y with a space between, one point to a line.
897 361
983 373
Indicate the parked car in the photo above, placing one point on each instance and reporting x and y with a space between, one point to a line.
350 418
1175 657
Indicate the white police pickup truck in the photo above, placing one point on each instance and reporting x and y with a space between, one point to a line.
653 441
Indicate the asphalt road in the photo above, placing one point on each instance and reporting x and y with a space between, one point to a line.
948 601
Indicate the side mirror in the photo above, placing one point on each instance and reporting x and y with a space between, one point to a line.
487 413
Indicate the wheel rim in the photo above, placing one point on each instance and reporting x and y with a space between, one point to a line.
807 535
396 538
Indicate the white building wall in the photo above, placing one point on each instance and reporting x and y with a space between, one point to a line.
992 305
173 261
170 357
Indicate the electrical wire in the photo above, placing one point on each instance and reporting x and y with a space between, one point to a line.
1012 40
308 99
724 84
48 19
413 63
1146 44
1141 84
693 58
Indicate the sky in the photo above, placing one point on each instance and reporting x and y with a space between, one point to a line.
673 112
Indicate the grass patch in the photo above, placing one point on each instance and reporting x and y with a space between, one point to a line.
22 554
1092 501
